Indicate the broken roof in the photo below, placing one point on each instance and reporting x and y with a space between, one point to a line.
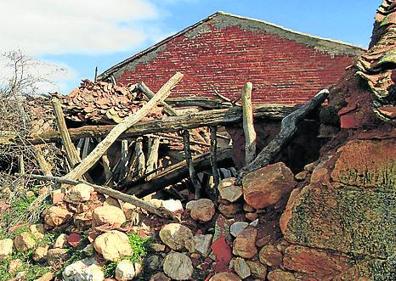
221 19
378 65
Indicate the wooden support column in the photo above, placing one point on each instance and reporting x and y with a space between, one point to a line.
71 150
248 124
118 130
213 156
191 170
152 158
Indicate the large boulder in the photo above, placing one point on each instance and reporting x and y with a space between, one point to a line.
267 186
110 215
113 245
178 266
175 236
315 263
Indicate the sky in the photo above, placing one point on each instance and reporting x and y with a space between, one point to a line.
72 37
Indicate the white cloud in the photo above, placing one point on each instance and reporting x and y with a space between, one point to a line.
74 26
39 77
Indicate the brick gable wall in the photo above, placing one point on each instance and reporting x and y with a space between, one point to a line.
281 70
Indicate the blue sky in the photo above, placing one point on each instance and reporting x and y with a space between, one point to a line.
79 35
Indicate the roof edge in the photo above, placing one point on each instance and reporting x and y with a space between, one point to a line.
106 74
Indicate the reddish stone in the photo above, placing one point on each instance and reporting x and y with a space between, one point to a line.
350 121
270 256
280 275
222 252
74 239
267 186
288 212
366 163
225 276
229 210
315 263
245 243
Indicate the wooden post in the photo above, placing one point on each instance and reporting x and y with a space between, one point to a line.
191 170
71 151
287 132
152 157
248 125
213 156
128 122
140 157
150 94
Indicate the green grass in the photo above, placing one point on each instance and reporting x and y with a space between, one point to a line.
109 269
139 246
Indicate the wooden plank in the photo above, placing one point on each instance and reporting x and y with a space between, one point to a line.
248 124
131 120
216 117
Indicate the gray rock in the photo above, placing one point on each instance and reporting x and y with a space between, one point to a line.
240 267
127 270
178 266
175 236
238 227
202 244
83 270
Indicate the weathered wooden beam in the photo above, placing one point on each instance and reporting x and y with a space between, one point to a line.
71 151
207 103
152 156
150 94
248 124
112 193
190 165
213 157
175 173
131 120
216 117
288 130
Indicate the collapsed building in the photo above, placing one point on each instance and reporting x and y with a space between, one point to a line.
328 216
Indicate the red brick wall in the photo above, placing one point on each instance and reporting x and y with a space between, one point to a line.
281 70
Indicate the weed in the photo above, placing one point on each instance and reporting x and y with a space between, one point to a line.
139 246
109 269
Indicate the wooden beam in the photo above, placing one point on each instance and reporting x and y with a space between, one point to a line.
213 157
112 193
128 122
150 94
288 130
248 124
216 117
71 151
152 156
